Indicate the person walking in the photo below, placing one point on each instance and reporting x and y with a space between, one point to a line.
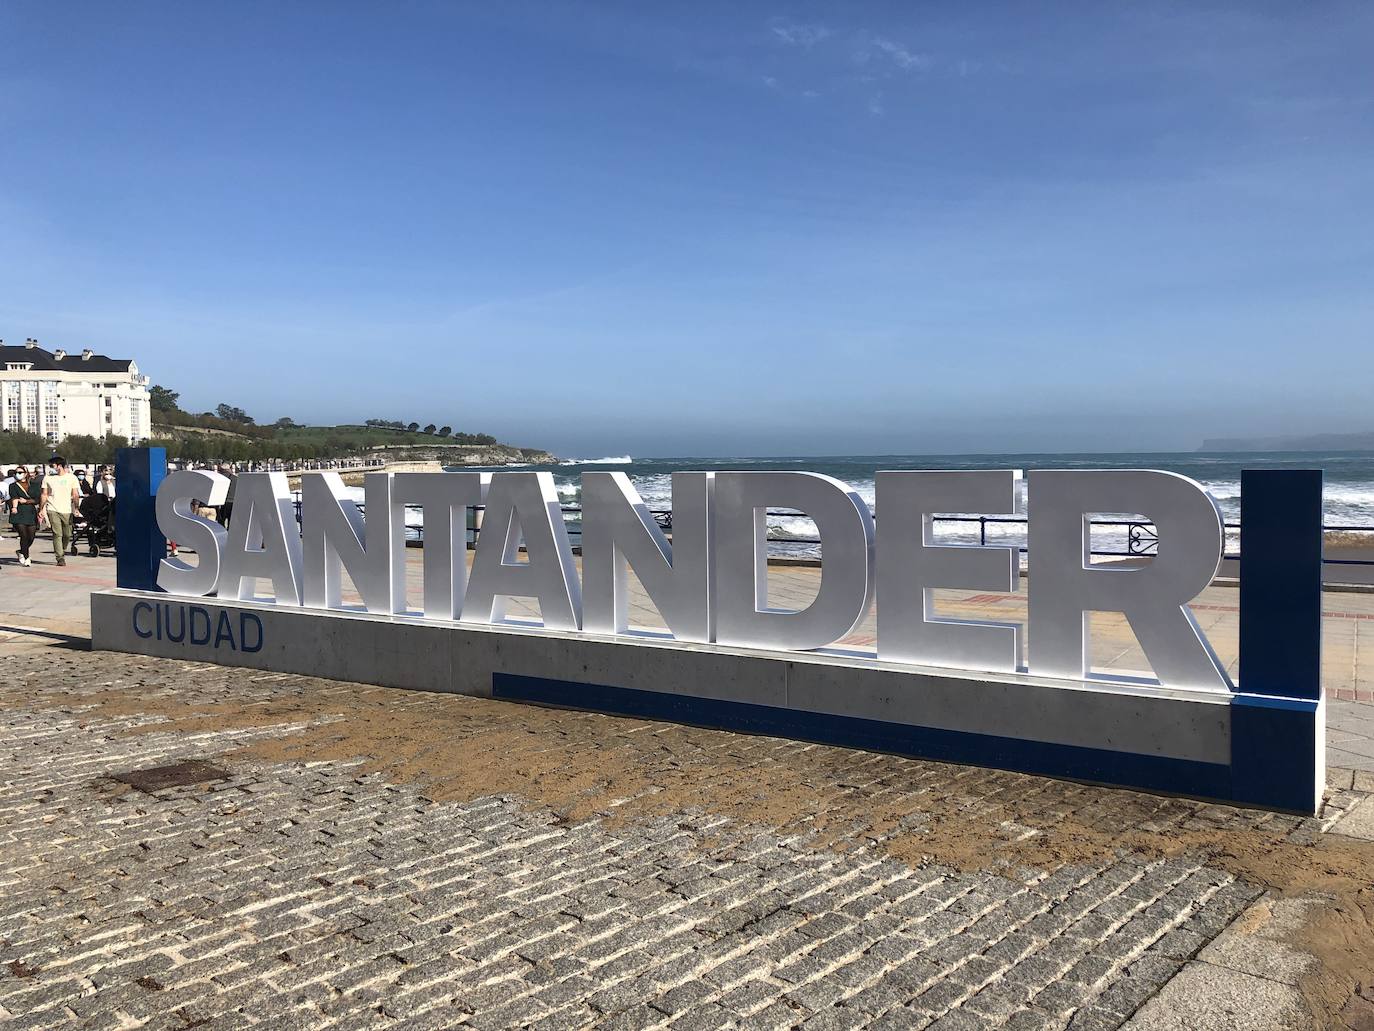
61 494
23 504
79 513
5 489
227 508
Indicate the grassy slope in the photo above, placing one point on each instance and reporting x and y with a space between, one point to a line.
361 436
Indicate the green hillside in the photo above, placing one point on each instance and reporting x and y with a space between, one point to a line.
367 437
231 434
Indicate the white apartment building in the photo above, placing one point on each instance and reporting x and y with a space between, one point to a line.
58 394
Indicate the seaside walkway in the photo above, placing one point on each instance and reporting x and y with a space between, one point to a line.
187 845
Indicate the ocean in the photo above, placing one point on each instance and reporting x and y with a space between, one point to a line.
1349 489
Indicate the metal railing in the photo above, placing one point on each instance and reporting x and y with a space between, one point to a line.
1141 538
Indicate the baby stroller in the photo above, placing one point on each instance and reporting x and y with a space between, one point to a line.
97 524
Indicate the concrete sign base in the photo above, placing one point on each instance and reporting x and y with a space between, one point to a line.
1260 750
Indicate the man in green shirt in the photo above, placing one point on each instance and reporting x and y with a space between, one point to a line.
61 494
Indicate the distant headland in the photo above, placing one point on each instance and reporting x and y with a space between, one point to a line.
1312 442
231 434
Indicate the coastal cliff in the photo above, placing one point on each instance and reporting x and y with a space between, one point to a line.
465 454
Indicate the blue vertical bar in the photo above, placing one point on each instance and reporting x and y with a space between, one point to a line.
140 546
1281 582
1277 733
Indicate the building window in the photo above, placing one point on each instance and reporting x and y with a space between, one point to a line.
30 420
50 418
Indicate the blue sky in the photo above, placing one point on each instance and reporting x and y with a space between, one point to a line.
707 229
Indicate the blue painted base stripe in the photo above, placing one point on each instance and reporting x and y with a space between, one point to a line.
1274 753
1122 769
1262 701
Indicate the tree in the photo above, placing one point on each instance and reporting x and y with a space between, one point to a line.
286 423
193 449
414 426
474 438
81 448
21 446
444 431
111 445
230 413
163 400
234 449
430 428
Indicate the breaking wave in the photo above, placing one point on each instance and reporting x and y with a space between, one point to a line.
612 460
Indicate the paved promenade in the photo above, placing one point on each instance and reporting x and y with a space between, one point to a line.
317 854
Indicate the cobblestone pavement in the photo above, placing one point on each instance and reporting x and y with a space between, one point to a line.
379 858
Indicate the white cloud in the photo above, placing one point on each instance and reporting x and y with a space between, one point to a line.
797 34
856 61
900 55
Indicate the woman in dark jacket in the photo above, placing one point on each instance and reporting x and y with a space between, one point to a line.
23 506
